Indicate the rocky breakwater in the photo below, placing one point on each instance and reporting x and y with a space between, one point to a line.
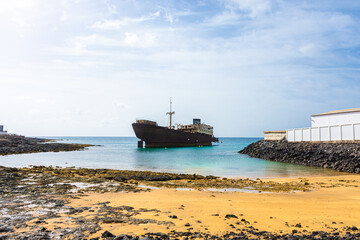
338 156
15 144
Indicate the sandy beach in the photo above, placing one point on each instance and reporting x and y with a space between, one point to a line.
78 204
331 207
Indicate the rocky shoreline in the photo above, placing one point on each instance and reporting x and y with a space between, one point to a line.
343 157
15 144
35 204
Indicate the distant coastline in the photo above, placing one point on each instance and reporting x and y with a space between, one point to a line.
15 144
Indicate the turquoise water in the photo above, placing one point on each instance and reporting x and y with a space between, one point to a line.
222 159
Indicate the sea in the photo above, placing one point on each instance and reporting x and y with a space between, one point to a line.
222 159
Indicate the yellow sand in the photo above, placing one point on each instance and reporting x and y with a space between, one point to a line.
334 199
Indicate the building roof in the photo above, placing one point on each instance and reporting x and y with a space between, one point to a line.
338 112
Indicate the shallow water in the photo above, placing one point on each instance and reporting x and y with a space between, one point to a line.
222 159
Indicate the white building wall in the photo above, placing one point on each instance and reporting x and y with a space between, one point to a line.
347 132
343 126
335 119
315 134
298 135
335 133
357 132
324 134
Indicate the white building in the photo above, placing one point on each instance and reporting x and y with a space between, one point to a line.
2 132
340 117
274 135
341 125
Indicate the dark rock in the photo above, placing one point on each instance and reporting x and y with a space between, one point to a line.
5 229
107 234
228 216
122 237
339 156
187 224
173 216
16 144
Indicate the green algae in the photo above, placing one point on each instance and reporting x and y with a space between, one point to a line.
125 180
246 184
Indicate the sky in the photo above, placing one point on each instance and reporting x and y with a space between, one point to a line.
92 67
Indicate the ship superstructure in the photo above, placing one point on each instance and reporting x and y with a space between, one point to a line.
196 134
197 127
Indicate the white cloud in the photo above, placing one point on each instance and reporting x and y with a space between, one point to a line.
168 16
116 24
308 49
253 7
120 106
110 24
131 39
136 40
237 9
111 8
13 5
94 44
156 14
224 18
64 16
82 42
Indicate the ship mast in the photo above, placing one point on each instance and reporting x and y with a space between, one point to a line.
170 113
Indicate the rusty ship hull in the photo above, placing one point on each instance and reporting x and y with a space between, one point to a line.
158 137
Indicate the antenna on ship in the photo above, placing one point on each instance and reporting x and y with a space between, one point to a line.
170 113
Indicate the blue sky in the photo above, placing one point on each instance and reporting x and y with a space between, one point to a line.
91 68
